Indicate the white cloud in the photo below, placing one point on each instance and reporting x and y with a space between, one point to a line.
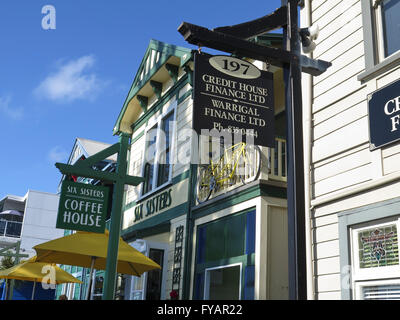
71 81
10 111
57 154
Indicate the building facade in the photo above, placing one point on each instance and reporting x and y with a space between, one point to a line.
29 219
353 183
232 245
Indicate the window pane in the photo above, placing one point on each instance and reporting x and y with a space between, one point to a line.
251 232
150 154
391 25
148 175
228 233
249 277
163 168
199 286
167 128
378 247
224 283
164 161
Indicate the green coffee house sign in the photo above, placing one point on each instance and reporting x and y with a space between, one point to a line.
82 207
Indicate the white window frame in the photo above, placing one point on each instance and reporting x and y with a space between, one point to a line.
380 35
376 273
206 294
158 120
375 61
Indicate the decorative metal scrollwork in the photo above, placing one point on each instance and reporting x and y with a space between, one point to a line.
176 275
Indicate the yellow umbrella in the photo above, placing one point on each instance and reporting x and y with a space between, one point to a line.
89 250
31 270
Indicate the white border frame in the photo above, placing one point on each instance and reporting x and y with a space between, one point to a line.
358 286
371 273
146 246
379 33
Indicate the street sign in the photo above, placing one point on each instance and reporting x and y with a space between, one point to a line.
82 207
384 115
233 96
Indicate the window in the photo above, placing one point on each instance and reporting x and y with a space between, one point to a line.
378 290
165 148
375 260
229 239
157 164
368 247
381 42
387 17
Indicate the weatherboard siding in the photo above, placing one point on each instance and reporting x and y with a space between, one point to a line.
341 160
340 153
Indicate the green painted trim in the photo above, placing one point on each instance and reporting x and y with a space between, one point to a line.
237 196
157 88
143 101
189 71
150 231
181 177
129 205
175 180
172 71
161 218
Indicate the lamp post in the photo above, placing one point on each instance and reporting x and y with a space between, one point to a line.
234 40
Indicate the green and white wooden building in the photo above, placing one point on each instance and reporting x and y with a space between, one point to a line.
232 246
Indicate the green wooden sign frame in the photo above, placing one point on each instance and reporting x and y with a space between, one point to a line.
83 168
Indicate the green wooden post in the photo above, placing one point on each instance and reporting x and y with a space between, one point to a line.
116 218
83 168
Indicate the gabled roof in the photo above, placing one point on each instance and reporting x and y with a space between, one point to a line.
86 147
154 68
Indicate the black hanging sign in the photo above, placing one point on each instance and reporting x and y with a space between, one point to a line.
384 115
233 96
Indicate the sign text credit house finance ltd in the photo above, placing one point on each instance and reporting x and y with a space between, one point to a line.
232 95
82 207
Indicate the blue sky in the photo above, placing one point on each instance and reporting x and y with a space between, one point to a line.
56 85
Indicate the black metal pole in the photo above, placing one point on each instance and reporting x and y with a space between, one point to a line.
295 159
